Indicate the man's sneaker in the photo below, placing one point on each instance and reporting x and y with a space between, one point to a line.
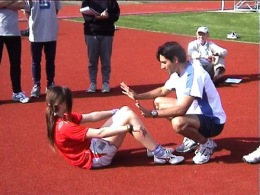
168 158
50 86
92 88
105 88
36 91
150 154
187 145
253 157
20 97
204 152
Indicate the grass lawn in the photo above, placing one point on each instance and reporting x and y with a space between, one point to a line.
219 23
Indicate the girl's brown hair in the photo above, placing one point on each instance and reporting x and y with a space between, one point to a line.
54 97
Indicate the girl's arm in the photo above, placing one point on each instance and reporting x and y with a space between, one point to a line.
97 115
110 131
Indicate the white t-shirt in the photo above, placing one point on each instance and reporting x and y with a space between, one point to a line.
9 23
196 82
43 20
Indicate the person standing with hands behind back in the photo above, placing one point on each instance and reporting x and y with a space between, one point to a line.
99 32
43 32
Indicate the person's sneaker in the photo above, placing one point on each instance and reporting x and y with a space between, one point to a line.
20 97
168 158
204 152
187 145
253 157
150 154
50 86
232 35
105 88
92 88
36 91
25 33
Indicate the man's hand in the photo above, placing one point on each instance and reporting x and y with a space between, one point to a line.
145 113
127 91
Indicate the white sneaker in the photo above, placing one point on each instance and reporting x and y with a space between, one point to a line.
150 154
203 153
168 158
20 97
253 157
105 88
187 145
92 88
232 35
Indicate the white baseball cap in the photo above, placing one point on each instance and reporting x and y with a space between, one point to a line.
203 29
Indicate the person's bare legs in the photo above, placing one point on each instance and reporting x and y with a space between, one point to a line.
188 126
126 116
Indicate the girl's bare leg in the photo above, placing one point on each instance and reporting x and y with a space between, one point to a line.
126 116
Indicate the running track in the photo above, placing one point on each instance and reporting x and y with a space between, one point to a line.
28 166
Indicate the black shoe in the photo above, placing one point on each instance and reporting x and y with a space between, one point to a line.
25 33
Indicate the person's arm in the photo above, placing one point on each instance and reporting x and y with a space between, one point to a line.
217 50
193 50
4 3
110 131
20 4
179 109
97 115
160 91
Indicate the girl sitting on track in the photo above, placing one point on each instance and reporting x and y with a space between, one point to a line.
87 147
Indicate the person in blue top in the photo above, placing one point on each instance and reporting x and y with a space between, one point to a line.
197 111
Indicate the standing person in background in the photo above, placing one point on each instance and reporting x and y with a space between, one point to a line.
207 54
99 32
11 37
43 32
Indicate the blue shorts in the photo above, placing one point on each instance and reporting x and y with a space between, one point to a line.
208 128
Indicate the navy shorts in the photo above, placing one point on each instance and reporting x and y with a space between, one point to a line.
208 128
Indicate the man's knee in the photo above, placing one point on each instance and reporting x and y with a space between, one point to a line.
178 124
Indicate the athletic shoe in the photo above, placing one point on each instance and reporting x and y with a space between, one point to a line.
92 88
25 33
36 91
232 35
253 157
204 152
187 145
168 158
50 86
20 97
150 153
105 88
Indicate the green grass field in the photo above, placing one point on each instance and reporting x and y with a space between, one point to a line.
219 23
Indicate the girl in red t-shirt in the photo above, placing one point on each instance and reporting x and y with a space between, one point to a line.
88 147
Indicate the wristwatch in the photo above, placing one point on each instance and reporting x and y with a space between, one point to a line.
154 113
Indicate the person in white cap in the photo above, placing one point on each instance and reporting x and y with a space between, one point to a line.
207 54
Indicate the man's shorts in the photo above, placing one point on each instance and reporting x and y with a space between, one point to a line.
103 152
208 128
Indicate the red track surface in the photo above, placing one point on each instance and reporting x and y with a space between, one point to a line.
28 166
